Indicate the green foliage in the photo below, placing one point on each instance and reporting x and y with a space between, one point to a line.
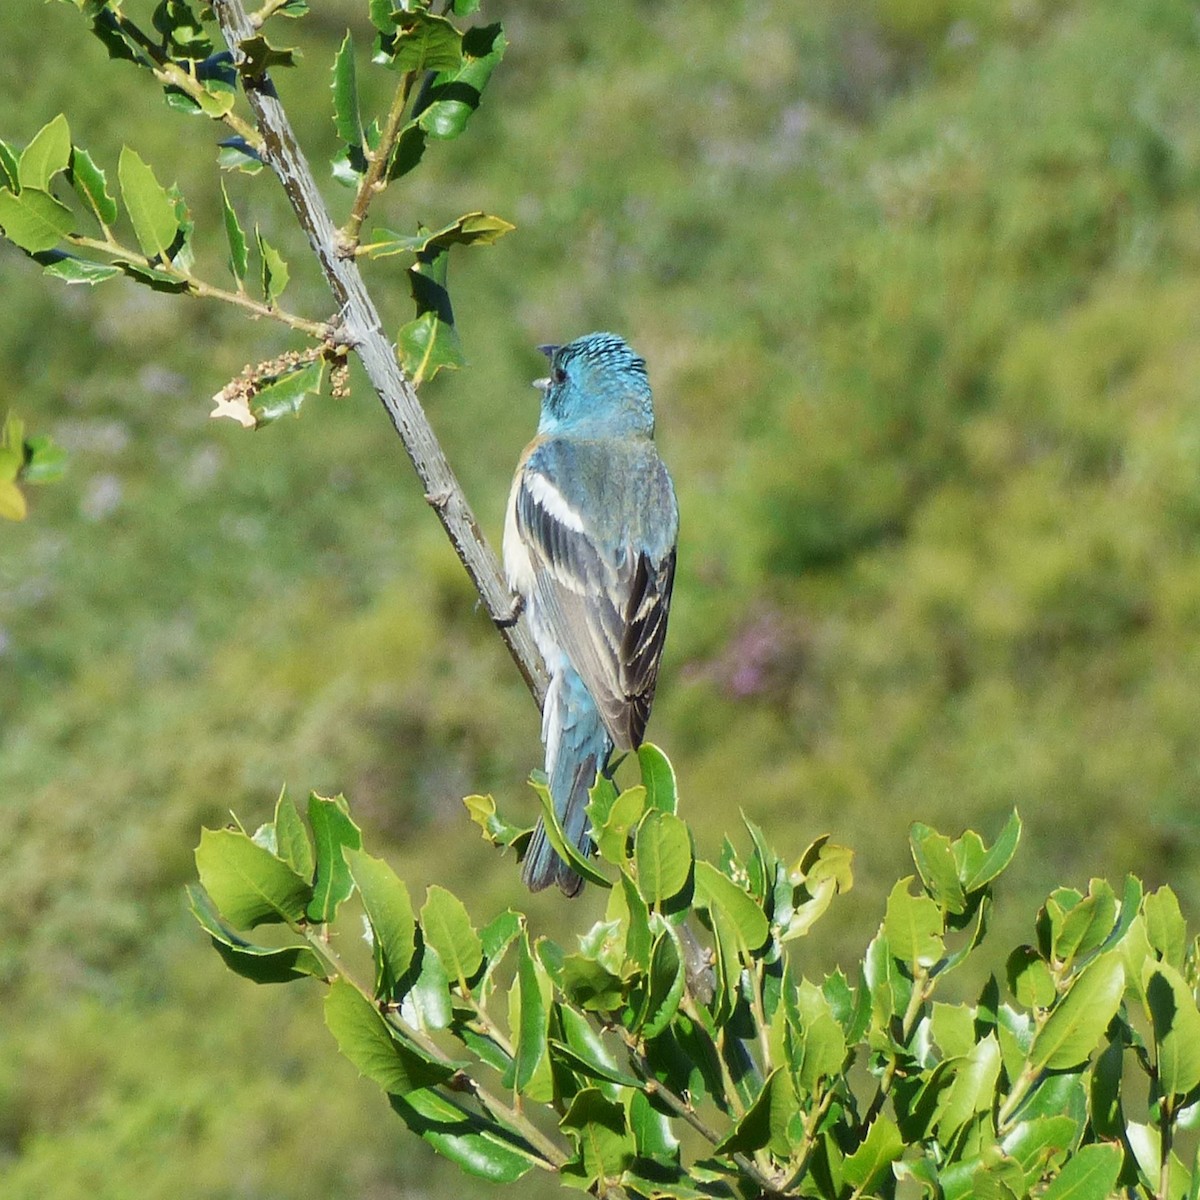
24 459
676 1053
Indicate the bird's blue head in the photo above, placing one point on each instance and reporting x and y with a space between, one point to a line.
597 387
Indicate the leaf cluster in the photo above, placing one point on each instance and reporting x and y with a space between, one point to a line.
674 1051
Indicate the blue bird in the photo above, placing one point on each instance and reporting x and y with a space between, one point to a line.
589 548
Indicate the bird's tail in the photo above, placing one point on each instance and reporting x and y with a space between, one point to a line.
577 748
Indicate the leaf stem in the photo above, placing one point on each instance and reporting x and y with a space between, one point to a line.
207 291
373 180
170 74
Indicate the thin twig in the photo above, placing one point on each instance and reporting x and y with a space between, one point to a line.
207 291
364 331
377 164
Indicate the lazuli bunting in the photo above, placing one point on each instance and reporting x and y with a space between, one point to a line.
589 547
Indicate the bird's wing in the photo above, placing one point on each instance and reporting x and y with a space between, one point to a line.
603 601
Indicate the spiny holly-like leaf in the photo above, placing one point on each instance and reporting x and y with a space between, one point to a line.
248 884
364 1037
1074 1028
239 256
448 929
284 395
473 227
34 220
455 93
46 155
274 270
150 208
347 119
261 964
333 831
261 56
426 345
766 1120
934 859
291 838
496 829
664 986
866 1168
91 185
425 42
1165 925
389 909
529 1014
997 858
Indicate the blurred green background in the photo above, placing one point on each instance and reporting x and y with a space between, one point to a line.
918 282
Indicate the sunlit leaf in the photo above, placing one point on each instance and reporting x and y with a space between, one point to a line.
389 909
91 186
34 220
47 155
333 831
448 929
1077 1022
248 884
239 256
150 208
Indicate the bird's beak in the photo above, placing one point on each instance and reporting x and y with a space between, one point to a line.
549 352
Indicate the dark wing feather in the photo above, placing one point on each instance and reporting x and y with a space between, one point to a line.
607 611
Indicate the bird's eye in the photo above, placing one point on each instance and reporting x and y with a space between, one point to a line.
558 375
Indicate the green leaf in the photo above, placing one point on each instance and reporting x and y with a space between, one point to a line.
284 395
1078 1021
664 987
239 257
426 345
662 855
248 884
1176 1023
366 1039
935 863
998 856
867 1167
591 1056
455 94
1029 978
819 1043
70 269
274 270
150 208
972 1090
766 1120
44 461
611 834
496 829
425 42
261 56
408 151
472 228
913 927
658 777
156 280
426 998
9 167
292 844
333 831
91 186
347 119
530 1005
1165 926
389 909
606 1147
448 929
1034 1143
48 154
477 1146
652 1134
1090 1175
34 220
261 964
562 845
745 916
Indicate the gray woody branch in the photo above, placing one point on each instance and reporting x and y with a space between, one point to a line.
361 328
